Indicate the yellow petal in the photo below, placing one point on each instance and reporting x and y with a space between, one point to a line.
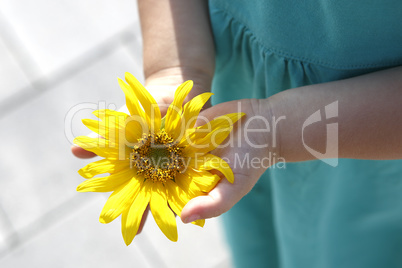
196 136
103 114
209 162
200 223
110 130
131 218
223 121
94 126
173 120
108 183
99 146
203 179
103 166
129 128
111 125
190 190
192 109
136 127
132 103
120 200
177 199
163 215
184 181
207 143
151 108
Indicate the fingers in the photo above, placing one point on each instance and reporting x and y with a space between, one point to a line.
81 153
222 198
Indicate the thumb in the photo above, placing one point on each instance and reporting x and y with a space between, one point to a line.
222 198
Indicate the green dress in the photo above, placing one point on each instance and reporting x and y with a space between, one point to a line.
310 214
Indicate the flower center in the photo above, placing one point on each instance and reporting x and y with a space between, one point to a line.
157 157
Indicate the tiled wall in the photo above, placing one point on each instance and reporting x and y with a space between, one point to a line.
55 55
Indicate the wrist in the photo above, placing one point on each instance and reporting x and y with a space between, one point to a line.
271 123
174 76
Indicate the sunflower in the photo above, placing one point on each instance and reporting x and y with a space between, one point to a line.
160 162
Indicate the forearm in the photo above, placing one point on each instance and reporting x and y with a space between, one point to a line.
177 41
369 118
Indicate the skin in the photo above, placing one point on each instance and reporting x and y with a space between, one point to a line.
369 118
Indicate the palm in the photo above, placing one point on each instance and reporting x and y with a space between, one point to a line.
238 150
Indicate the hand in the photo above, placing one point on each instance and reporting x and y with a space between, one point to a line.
162 88
244 146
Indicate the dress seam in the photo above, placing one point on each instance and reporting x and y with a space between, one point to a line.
289 56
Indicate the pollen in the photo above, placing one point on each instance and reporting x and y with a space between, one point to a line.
157 157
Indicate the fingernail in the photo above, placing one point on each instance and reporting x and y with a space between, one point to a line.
191 218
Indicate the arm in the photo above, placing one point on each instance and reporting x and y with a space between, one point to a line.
370 127
178 44
369 117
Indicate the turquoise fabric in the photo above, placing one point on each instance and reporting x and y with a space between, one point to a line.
310 214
